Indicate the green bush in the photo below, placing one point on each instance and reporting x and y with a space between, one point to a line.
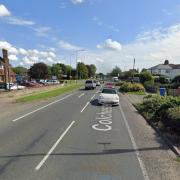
172 119
162 109
131 87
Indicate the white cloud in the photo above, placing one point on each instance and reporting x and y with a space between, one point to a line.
67 46
13 57
109 44
22 51
77 1
28 56
4 11
19 21
42 31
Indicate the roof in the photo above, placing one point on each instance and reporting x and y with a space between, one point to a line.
166 66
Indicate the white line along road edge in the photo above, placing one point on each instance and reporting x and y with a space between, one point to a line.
32 112
143 169
53 147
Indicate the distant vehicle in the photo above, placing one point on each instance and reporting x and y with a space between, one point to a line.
115 79
90 84
110 85
51 82
108 96
98 83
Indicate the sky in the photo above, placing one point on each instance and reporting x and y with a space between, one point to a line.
101 32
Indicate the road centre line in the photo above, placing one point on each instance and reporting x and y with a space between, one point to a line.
53 147
85 106
142 166
81 95
92 96
32 112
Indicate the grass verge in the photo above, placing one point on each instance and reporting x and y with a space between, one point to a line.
49 94
178 159
137 93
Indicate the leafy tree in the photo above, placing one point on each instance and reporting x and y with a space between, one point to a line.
91 70
82 70
145 76
55 70
20 70
38 71
68 70
63 68
116 72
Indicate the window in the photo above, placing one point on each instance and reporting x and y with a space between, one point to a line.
1 66
167 71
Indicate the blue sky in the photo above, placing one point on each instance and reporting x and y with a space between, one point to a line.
113 32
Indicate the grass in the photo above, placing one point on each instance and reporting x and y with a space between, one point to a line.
49 94
137 93
178 159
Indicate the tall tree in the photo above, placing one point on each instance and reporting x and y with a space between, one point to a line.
82 70
91 70
116 72
38 71
56 70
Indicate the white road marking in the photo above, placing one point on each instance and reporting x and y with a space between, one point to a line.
32 112
142 166
85 106
53 147
81 95
92 96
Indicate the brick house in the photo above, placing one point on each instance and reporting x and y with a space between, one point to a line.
6 68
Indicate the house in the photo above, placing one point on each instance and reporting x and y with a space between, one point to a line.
166 69
6 72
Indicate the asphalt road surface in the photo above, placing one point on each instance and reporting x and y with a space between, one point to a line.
71 138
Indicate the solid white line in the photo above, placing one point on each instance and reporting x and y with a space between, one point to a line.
92 96
142 166
32 112
81 95
53 147
85 107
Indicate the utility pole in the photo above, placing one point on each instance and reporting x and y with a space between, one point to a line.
133 69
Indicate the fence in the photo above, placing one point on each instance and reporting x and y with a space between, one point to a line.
174 92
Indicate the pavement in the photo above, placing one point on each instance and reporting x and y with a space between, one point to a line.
70 137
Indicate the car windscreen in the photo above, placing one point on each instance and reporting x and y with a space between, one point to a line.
109 91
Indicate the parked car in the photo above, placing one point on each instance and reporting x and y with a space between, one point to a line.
15 87
108 96
51 82
90 84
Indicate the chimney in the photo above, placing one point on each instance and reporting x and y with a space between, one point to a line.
5 56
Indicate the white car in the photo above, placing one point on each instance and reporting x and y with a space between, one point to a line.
90 84
108 96
15 87
51 81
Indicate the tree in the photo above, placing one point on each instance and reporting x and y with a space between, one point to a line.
115 72
38 71
20 70
63 68
68 70
55 70
82 70
91 70
145 76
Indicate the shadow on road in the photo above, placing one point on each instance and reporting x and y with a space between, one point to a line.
104 152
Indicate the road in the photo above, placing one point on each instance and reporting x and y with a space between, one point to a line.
71 138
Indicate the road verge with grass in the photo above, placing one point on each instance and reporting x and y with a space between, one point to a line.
48 94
